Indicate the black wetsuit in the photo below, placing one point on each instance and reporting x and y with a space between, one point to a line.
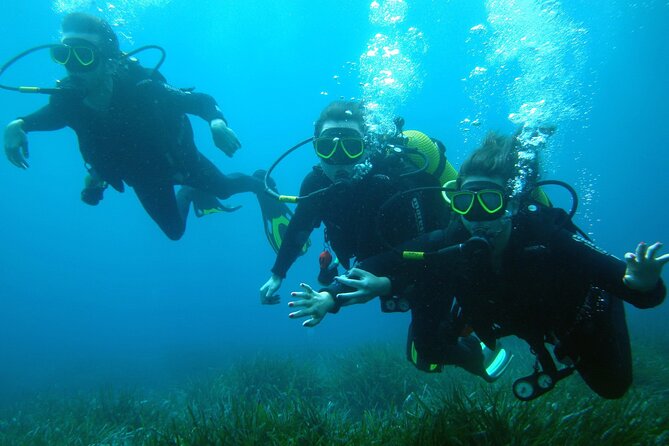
349 211
553 285
144 139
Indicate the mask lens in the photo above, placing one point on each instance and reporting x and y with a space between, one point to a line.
491 200
85 55
325 147
462 202
339 145
60 54
354 147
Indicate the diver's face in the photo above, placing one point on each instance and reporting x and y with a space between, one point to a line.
92 77
338 172
497 231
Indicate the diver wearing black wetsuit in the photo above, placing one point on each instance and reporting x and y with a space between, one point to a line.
144 139
553 286
349 211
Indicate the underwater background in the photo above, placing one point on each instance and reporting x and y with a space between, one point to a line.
98 298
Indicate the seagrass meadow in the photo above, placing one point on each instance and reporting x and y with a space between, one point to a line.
366 396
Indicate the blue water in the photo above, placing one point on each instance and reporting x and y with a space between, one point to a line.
99 295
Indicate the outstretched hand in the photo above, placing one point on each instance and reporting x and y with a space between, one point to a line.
16 144
224 138
644 267
367 285
268 291
316 305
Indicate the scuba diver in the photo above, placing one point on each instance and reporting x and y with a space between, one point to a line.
517 268
132 128
346 192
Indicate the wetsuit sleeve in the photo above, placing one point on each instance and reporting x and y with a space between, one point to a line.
603 270
307 217
50 117
183 101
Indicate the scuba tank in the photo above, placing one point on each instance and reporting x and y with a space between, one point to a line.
432 153
423 152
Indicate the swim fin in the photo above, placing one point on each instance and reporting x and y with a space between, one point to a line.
205 203
495 361
275 215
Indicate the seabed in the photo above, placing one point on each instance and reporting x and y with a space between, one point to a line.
365 396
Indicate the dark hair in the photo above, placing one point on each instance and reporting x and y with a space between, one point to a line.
86 23
348 111
499 156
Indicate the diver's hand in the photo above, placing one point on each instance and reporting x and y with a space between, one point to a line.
367 285
268 291
316 305
224 138
16 144
644 267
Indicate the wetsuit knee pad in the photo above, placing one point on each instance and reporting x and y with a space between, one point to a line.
419 361
419 347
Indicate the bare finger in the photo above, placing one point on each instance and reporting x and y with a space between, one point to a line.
630 258
652 249
307 288
354 283
662 259
641 251
300 303
351 295
18 161
271 300
312 322
302 295
13 161
356 272
301 313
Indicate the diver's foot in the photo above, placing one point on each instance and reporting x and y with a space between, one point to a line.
205 203
495 362
260 175
93 191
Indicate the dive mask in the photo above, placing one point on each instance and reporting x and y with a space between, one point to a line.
77 55
480 201
339 146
